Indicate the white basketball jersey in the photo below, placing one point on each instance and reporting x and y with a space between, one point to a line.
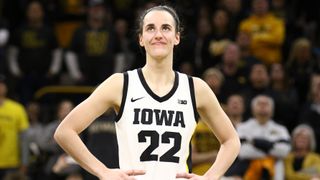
154 132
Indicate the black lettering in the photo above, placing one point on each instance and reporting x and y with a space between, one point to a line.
146 119
179 119
136 116
167 120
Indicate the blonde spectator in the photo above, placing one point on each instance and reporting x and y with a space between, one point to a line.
302 163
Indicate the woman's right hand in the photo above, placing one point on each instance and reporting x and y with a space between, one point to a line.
118 174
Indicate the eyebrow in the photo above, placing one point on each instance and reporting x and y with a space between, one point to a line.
163 25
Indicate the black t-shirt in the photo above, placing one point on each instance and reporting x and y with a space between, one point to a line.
95 50
35 48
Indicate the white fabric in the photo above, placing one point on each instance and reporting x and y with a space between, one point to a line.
130 149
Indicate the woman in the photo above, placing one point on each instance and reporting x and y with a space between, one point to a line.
157 112
303 163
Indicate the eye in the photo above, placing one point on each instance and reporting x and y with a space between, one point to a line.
166 28
150 28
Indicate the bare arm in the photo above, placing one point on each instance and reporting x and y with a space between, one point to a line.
211 111
106 96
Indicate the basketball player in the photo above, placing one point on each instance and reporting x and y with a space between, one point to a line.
157 111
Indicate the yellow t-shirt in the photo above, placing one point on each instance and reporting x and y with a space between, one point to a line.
204 141
267 36
13 120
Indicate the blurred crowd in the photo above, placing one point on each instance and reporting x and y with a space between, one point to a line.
260 57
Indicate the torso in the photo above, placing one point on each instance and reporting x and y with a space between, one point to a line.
154 132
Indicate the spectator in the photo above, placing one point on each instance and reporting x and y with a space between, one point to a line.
264 142
303 163
59 165
259 81
235 109
214 78
102 130
266 33
90 58
310 113
194 44
205 147
300 66
13 128
125 58
34 134
4 37
234 77
236 15
34 57
247 59
285 97
217 40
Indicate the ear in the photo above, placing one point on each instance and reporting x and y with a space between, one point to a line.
177 39
140 41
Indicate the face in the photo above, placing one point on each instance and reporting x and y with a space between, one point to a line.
262 108
159 35
220 18
277 72
260 7
35 12
64 108
231 54
259 76
3 89
97 12
213 81
302 140
235 105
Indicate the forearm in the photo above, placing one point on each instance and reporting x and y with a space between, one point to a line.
70 141
24 152
226 155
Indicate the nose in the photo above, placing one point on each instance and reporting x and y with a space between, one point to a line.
158 34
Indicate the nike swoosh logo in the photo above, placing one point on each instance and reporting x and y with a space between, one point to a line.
133 100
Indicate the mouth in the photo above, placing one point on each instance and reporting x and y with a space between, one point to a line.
158 43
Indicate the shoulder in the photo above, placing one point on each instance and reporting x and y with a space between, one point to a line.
14 104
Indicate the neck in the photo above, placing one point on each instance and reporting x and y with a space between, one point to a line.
262 120
277 85
230 68
35 24
95 24
2 100
300 152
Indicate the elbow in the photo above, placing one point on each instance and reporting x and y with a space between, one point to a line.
58 135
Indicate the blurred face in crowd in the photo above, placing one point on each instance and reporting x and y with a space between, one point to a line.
243 40
259 77
233 6
97 12
121 27
231 54
262 108
260 7
64 108
315 88
277 72
203 26
235 105
214 79
159 34
301 140
3 90
220 19
33 111
35 12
